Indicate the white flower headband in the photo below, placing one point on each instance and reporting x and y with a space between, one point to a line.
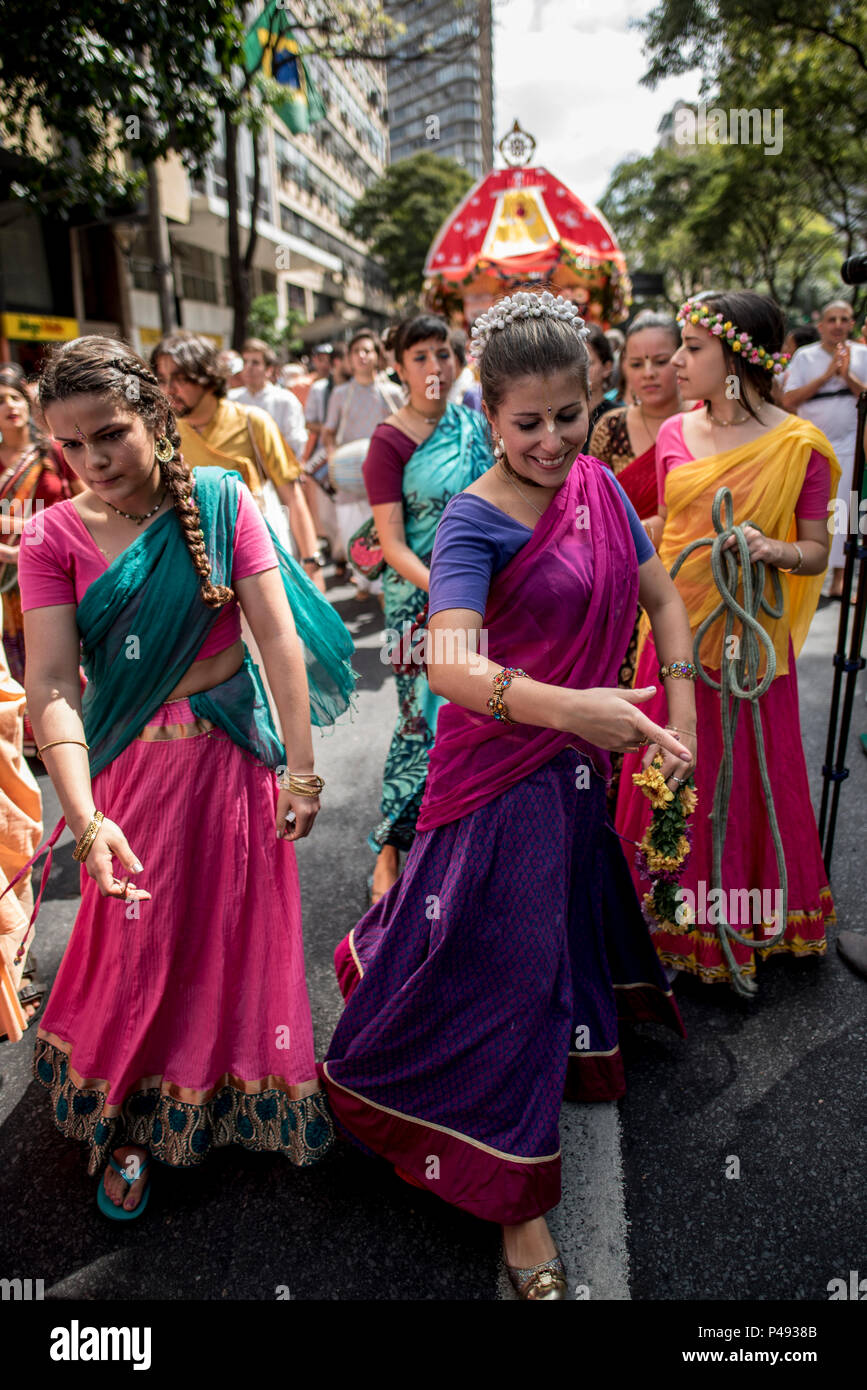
524 306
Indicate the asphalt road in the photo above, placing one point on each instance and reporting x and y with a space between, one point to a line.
647 1213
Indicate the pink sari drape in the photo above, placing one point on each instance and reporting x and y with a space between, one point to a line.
581 546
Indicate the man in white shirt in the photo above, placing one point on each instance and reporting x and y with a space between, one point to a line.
287 413
283 407
354 411
823 383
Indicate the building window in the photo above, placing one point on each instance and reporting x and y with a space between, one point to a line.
198 273
297 298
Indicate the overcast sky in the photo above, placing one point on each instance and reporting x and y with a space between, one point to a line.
569 70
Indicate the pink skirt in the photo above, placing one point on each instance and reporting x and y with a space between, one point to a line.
183 1023
748 861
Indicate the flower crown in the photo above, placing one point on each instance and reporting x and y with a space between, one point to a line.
524 306
742 343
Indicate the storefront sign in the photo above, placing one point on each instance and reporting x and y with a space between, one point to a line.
38 328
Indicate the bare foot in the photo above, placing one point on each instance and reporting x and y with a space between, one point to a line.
528 1244
130 1158
386 872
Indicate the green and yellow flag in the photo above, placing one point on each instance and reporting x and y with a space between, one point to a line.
271 48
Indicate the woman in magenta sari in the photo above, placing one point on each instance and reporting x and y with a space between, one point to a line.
179 1019
491 976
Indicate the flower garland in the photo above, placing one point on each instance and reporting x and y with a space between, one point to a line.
741 343
666 843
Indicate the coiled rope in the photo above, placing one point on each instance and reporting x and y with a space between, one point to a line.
738 677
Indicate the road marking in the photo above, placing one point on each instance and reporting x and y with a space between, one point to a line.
589 1225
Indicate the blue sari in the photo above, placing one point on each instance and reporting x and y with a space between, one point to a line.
457 452
143 621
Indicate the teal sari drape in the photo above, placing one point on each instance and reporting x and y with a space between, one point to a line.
457 452
143 621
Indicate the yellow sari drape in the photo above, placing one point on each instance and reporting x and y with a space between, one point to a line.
765 478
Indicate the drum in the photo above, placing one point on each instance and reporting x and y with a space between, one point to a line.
344 469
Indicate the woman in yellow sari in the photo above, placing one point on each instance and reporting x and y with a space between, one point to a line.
781 472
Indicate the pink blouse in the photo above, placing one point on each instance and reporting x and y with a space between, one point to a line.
671 452
59 561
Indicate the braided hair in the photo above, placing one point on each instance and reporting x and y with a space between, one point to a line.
107 367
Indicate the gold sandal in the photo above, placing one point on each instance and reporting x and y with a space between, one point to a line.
544 1281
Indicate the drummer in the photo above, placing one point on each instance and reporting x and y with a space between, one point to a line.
354 411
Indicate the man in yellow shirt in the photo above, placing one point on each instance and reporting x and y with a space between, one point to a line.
217 432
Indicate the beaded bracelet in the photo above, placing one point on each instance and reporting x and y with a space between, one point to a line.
82 849
497 704
680 670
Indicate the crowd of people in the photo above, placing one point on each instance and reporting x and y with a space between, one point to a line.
520 500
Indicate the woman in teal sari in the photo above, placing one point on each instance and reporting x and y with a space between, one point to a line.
418 460
179 1019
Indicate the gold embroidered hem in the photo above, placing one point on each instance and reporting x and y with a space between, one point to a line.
182 1132
796 945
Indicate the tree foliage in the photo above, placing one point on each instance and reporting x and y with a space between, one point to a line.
262 323
780 222
94 91
402 212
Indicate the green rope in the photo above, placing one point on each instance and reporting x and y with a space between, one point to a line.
738 676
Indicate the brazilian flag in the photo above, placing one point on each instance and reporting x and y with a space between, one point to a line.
271 48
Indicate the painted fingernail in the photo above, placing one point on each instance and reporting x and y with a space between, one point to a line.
137 867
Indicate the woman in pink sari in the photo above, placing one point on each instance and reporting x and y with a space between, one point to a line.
490 978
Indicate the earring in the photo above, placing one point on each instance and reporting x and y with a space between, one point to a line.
499 449
164 449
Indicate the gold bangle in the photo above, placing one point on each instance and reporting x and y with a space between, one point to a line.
54 743
82 849
301 783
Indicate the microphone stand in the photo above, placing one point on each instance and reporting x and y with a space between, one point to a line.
856 549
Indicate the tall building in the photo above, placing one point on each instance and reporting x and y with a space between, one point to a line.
304 255
57 281
444 103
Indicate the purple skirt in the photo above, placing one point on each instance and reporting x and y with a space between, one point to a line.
488 983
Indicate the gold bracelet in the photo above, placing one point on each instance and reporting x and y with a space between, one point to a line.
301 783
82 849
54 743
679 670
793 569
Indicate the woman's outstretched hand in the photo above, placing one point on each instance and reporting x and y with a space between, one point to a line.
302 810
611 719
111 842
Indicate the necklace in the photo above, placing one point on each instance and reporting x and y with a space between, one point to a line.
137 517
725 424
428 419
520 493
650 436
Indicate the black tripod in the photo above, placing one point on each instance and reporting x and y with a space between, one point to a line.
856 549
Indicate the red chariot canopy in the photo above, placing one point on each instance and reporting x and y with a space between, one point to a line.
522 224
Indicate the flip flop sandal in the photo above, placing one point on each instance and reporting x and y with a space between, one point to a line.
33 992
108 1208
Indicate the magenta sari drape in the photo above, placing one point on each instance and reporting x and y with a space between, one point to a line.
563 609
